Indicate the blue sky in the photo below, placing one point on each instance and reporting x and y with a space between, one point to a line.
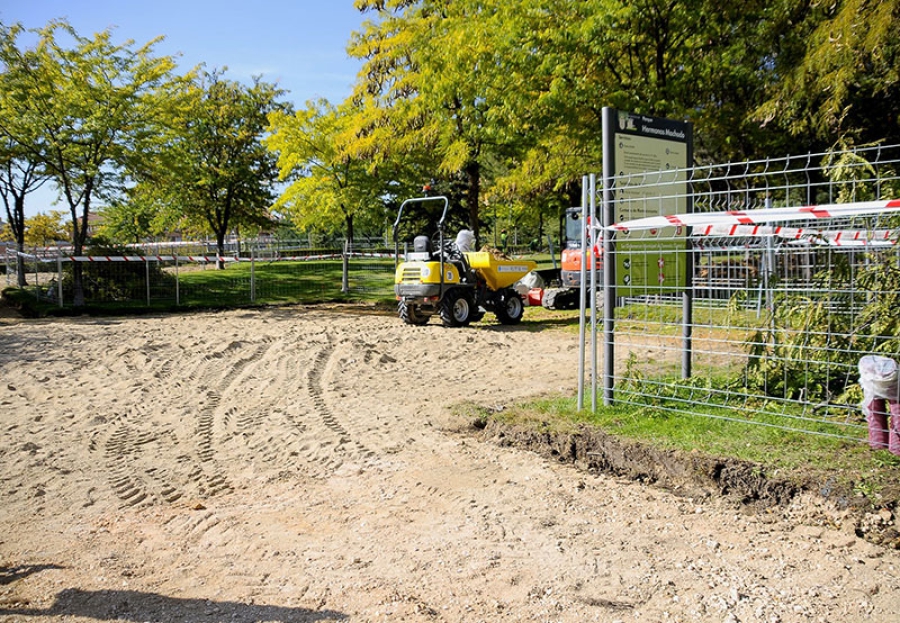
300 44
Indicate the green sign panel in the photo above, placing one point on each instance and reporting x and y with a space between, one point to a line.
649 266
650 158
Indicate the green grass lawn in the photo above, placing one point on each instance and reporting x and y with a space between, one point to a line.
240 284
288 282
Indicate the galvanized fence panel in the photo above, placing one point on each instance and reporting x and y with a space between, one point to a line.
781 311
195 280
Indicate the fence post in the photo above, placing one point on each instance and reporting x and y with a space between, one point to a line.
345 280
59 278
609 259
253 274
147 279
593 291
582 337
687 295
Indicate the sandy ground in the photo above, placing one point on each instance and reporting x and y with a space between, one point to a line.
304 465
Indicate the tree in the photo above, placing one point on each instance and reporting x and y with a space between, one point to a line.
508 94
41 230
418 95
19 176
213 165
133 217
839 73
697 60
20 172
327 185
82 113
45 229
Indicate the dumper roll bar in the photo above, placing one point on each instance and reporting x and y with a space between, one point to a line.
440 230
400 216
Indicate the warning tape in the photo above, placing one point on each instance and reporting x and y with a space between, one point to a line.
192 258
838 238
128 258
760 216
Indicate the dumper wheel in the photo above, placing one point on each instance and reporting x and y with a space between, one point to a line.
411 314
510 308
456 308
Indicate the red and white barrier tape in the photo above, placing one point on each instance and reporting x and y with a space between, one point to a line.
838 238
192 258
761 216
200 259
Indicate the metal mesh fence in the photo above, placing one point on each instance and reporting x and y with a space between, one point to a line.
757 320
269 276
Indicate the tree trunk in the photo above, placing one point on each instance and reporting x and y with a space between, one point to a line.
78 238
20 265
348 220
17 224
540 236
220 250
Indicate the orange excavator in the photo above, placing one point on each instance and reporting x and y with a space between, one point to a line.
564 291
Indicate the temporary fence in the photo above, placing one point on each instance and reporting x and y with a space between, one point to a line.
192 280
757 303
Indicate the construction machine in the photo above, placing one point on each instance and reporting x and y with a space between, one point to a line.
450 279
565 285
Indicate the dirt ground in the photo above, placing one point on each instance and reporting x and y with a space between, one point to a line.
304 465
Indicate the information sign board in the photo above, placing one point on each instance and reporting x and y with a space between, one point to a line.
650 160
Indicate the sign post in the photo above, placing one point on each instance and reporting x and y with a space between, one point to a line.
645 173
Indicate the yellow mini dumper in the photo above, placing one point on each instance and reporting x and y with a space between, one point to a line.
460 286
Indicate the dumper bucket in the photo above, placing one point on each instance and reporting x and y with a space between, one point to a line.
499 273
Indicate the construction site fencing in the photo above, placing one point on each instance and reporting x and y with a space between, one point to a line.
258 276
757 303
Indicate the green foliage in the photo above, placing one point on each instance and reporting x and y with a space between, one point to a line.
421 97
81 108
813 343
46 229
40 230
119 285
329 190
212 169
507 96
129 221
837 75
879 319
496 103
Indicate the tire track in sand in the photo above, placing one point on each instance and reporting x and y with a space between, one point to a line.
342 445
132 449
